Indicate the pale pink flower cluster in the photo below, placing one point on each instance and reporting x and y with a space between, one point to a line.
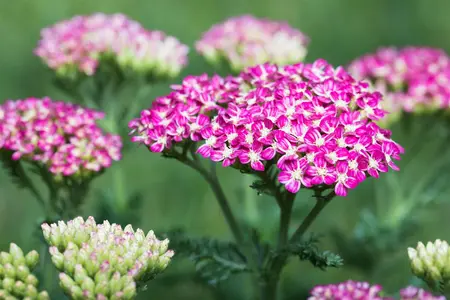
415 293
62 136
411 78
79 45
362 290
347 290
313 122
247 41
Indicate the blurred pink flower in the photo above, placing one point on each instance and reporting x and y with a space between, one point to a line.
347 290
79 45
415 293
62 136
247 41
411 78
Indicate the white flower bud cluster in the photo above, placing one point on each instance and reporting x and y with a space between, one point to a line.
431 263
16 279
104 261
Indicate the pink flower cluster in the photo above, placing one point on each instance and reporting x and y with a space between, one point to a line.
79 44
313 122
414 293
247 41
62 136
364 291
347 290
412 78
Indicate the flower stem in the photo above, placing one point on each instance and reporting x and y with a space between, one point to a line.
250 201
322 201
269 286
213 181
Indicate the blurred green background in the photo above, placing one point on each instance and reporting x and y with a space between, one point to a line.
176 196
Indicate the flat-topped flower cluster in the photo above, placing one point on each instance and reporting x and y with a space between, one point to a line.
363 290
246 41
411 78
61 136
313 122
80 43
104 261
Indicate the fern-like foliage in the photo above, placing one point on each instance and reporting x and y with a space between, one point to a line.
214 260
308 250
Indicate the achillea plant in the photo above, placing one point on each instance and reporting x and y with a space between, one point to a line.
104 261
79 45
16 278
413 79
59 141
302 125
247 41
108 63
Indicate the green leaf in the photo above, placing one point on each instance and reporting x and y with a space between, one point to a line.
214 260
307 250
262 187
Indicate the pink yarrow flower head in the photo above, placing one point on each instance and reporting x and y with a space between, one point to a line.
247 41
312 122
347 290
63 137
412 78
415 293
83 43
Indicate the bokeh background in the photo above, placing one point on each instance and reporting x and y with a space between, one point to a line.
175 196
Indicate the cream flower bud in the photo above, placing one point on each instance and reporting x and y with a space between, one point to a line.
431 263
16 280
108 261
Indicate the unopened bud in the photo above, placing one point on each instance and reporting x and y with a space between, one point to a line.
22 272
102 288
32 259
8 284
31 291
20 288
31 279
43 296
15 251
10 271
5 258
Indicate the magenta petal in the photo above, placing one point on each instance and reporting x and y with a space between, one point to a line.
293 186
284 177
351 183
157 147
330 179
340 190
257 165
216 155
204 150
268 153
373 172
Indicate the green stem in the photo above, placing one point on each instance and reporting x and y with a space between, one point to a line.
214 183
250 201
322 201
269 286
